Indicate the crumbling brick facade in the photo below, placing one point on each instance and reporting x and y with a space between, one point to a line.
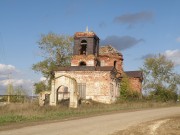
97 71
99 85
135 80
110 57
89 60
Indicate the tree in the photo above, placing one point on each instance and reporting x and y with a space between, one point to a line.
56 51
16 94
19 94
40 86
126 91
124 87
159 78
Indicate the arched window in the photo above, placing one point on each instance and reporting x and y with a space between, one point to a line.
82 63
83 47
62 93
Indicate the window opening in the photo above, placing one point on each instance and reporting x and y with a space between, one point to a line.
115 63
82 90
82 63
83 47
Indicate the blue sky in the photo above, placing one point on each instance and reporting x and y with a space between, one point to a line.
136 28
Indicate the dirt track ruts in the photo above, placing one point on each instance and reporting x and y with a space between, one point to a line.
98 125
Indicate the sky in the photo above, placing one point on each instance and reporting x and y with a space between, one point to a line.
138 29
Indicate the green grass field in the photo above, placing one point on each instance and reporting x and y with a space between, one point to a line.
31 112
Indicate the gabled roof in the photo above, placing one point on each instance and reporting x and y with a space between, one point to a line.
135 74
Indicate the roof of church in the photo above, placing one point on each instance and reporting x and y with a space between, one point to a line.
85 68
85 34
135 74
108 50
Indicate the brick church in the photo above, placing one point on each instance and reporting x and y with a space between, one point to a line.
96 70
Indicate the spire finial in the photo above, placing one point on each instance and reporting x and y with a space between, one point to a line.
86 28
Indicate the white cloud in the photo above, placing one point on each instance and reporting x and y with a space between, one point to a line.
173 55
4 69
26 84
10 74
178 39
43 79
15 82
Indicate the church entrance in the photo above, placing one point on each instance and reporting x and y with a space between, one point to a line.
63 95
64 89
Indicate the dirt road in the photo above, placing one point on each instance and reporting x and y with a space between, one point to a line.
99 125
164 126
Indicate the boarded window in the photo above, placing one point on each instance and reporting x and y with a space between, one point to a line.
82 90
112 89
102 63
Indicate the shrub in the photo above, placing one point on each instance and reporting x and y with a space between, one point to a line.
126 91
163 94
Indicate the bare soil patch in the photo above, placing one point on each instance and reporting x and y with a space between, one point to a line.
166 126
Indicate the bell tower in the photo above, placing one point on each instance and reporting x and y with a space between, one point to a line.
86 49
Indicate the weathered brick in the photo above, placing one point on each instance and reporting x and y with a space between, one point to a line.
97 71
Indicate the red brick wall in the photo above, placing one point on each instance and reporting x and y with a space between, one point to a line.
98 84
109 61
136 84
88 59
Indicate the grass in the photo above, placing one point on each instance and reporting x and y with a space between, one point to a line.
31 112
